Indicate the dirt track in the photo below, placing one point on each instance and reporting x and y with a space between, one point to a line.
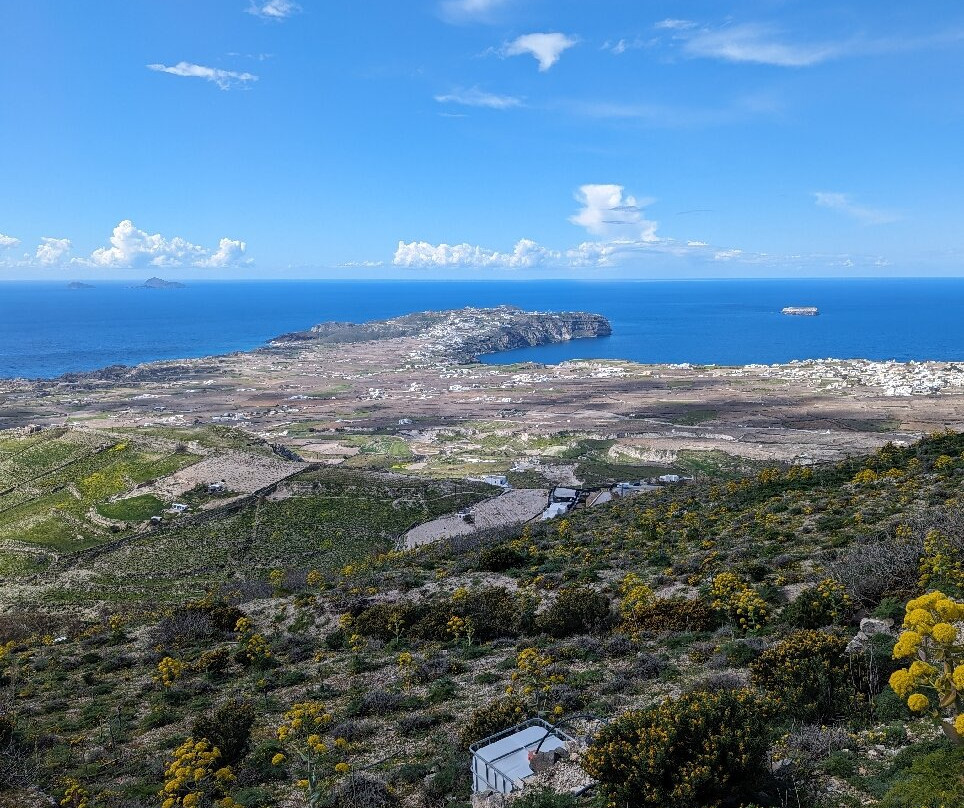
511 508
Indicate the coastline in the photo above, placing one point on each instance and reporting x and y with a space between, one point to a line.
729 323
409 402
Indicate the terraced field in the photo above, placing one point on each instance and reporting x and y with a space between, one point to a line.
321 519
55 484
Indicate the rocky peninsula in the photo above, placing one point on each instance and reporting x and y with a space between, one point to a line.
462 335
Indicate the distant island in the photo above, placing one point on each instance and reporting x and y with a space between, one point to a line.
79 285
160 283
801 311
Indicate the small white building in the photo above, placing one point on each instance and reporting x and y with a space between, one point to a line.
179 507
500 762
499 480
555 509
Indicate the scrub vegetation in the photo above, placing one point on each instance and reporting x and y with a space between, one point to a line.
286 653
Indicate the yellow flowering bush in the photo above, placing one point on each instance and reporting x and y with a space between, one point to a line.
494 717
75 795
533 677
635 598
865 477
253 648
739 602
933 638
461 628
942 562
822 605
692 752
193 778
807 675
169 670
315 762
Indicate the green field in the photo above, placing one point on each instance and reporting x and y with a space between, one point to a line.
54 479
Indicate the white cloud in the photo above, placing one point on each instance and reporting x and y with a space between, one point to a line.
52 251
230 253
467 10
607 212
132 247
225 79
756 43
620 46
474 97
273 9
421 254
8 241
674 25
546 48
361 264
626 238
845 204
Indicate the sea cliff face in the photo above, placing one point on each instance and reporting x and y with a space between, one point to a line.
462 335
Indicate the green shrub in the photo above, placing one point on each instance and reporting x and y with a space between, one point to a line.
492 718
229 729
576 610
807 674
695 751
502 557
386 621
822 605
448 784
545 799
675 614
159 717
934 780
493 612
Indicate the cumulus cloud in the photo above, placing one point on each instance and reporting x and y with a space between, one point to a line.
624 237
421 254
546 48
229 253
475 97
52 251
273 9
845 204
608 212
225 79
756 43
132 247
8 241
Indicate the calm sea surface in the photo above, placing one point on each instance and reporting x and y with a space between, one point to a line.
47 329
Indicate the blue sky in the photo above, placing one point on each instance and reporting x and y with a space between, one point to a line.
480 138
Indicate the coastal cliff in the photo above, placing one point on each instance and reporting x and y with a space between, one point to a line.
462 335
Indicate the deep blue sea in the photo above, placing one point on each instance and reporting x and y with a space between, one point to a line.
47 329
